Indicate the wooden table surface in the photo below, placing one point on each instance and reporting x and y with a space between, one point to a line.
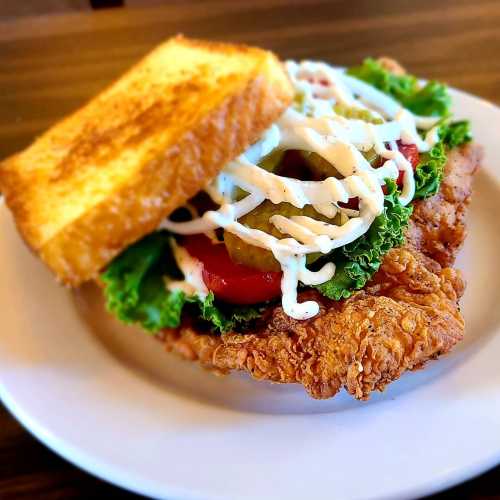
50 65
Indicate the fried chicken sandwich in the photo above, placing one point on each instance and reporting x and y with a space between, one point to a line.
293 220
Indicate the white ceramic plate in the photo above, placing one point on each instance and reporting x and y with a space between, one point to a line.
108 399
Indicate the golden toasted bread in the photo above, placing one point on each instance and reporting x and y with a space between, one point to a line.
108 174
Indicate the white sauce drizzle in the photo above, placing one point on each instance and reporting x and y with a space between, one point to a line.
192 269
340 142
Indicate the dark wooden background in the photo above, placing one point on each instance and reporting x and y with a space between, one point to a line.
52 63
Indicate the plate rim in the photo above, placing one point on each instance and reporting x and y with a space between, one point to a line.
118 479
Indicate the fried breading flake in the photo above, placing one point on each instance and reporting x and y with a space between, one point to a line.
407 315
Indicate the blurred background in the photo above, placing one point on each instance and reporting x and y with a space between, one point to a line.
55 54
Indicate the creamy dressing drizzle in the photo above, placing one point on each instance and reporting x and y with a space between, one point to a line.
340 142
191 268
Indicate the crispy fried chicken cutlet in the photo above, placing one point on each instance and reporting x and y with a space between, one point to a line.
213 182
407 315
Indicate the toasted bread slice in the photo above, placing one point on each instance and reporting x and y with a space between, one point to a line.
108 174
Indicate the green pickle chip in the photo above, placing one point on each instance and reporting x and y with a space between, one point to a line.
259 258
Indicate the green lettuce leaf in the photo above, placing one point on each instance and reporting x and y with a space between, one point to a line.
225 317
430 170
455 134
358 261
432 99
135 290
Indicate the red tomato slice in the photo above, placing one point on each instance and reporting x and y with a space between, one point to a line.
352 203
410 152
228 280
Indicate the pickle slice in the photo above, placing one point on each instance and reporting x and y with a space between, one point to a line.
356 114
271 161
371 156
259 258
321 169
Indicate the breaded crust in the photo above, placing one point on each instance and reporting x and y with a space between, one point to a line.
407 315
108 174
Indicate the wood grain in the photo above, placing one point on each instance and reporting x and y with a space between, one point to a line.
51 64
